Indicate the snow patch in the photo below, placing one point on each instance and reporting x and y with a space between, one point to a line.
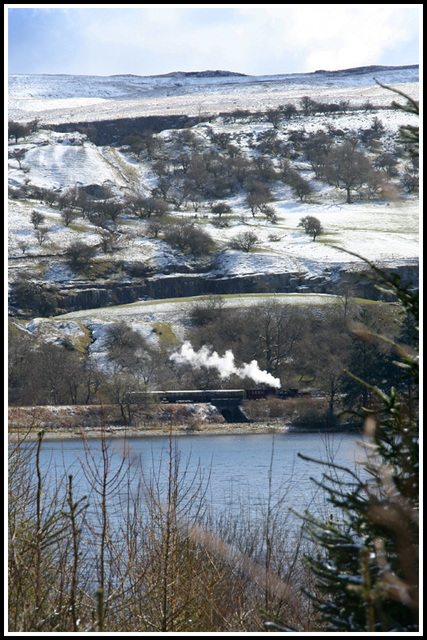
55 331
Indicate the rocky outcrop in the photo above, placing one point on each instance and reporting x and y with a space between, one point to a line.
333 281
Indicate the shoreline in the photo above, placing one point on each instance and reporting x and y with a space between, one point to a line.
31 435
254 428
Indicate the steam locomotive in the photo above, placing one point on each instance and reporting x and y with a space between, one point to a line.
257 394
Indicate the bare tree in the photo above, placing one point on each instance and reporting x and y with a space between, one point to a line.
289 110
258 194
23 246
316 148
18 130
154 227
18 155
347 169
244 241
220 208
68 215
269 212
108 240
274 116
299 185
41 234
277 329
37 218
308 105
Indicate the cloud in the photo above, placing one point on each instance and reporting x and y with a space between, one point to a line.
329 36
253 39
348 36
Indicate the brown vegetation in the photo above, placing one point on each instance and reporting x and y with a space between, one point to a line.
166 564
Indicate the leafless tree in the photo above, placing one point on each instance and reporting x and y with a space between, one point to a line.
68 215
18 155
299 185
37 218
257 195
347 169
41 234
244 241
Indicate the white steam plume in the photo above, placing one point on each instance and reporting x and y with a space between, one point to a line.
223 364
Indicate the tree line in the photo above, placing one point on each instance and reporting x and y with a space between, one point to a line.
302 348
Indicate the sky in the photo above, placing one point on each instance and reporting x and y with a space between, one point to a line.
255 39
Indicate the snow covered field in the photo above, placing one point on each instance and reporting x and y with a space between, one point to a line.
63 98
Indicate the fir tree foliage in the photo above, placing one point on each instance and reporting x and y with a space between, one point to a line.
367 559
409 134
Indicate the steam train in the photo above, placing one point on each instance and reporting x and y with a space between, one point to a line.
209 395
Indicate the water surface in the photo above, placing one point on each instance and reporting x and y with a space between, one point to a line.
239 472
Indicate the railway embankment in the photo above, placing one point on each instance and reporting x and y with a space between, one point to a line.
90 421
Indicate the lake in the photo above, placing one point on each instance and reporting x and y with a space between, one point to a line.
239 472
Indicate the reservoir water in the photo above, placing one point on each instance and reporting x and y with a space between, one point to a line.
239 472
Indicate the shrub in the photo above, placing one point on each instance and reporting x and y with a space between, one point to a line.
189 239
244 241
300 412
206 310
36 297
138 269
79 254
220 208
220 223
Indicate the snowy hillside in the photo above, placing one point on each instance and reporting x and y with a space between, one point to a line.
62 98
283 259
135 274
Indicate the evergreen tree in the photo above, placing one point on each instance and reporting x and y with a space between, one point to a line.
367 565
409 134
367 560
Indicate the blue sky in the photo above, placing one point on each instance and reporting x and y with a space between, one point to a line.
253 39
